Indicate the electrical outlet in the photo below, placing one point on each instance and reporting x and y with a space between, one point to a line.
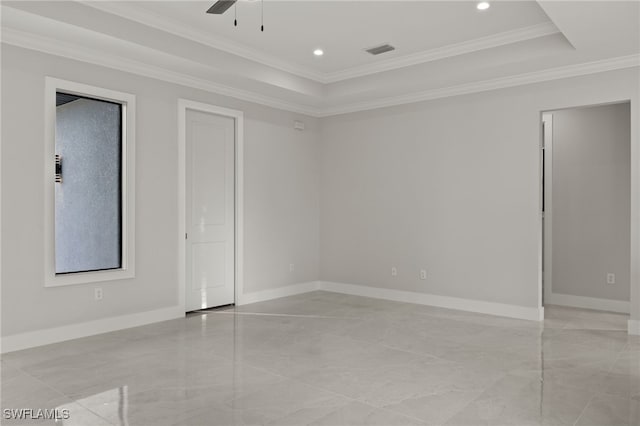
97 293
394 271
611 278
292 267
423 274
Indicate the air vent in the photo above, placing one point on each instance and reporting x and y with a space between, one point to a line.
380 49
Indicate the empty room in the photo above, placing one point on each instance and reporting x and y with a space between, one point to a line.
320 212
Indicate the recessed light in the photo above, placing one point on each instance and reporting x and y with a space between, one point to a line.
483 5
318 52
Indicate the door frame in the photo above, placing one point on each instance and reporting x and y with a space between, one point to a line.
634 277
547 214
238 116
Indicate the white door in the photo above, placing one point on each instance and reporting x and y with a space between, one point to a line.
210 244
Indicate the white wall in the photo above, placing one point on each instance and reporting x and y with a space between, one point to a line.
281 196
591 201
451 185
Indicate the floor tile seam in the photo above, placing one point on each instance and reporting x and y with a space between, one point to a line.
86 407
12 364
595 394
391 411
587 348
322 389
421 354
91 352
569 388
350 398
480 393
285 378
427 316
140 390
62 393
271 314
584 409
615 395
604 391
569 358
443 389
39 380
405 350
420 421
586 328
200 351
94 413
615 361
594 345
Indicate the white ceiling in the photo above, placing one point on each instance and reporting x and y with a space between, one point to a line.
443 47
345 28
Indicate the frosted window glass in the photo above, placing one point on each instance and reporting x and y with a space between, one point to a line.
88 201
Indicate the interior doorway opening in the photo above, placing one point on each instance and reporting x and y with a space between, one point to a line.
586 207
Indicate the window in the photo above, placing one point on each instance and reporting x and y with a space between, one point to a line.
88 208
89 184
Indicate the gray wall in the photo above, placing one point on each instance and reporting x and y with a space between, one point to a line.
451 185
281 196
591 201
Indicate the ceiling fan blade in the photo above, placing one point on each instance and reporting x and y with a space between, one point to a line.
221 6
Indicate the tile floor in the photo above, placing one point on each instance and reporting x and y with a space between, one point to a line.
331 359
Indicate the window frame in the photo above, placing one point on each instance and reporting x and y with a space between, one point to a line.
127 100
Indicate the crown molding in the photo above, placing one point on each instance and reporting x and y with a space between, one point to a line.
575 70
76 52
470 46
145 17
150 19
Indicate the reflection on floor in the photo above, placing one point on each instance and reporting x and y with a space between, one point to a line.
331 359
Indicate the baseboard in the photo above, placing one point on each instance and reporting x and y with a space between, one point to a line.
59 334
32 339
634 327
589 303
47 336
491 308
276 293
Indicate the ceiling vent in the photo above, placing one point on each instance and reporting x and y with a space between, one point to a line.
380 49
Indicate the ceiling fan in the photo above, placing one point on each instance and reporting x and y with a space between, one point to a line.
221 6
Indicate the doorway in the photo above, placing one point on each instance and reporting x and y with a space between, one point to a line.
586 207
208 159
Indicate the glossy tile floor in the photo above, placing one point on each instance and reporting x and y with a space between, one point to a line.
330 359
